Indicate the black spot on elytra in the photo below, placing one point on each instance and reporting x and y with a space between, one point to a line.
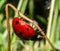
27 29
17 22
21 33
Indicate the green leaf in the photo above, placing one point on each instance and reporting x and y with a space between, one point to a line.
1 28
23 8
31 8
42 19
57 45
1 17
2 3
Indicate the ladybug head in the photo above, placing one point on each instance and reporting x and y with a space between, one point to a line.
15 20
15 25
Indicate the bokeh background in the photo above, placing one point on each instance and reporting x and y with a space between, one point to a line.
39 11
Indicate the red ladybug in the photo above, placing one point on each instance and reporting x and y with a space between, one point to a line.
22 29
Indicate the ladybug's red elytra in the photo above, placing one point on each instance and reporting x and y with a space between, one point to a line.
22 29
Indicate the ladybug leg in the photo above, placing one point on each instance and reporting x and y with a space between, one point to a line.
37 37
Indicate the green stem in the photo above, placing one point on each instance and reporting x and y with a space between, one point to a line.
23 8
31 8
19 7
53 29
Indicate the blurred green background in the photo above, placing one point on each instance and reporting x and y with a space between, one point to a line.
37 10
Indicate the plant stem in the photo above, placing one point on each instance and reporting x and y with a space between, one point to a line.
50 17
54 23
23 7
31 9
19 7
50 20
8 27
23 16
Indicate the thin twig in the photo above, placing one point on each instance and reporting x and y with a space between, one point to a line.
23 16
8 26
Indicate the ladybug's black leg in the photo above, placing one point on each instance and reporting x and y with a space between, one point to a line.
37 36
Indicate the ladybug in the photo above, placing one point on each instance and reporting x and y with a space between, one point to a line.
23 30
